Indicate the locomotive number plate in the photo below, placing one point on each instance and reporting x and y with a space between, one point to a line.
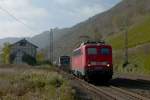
98 63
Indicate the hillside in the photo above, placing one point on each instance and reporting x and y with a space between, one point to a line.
138 34
10 40
139 47
107 25
138 59
41 40
136 15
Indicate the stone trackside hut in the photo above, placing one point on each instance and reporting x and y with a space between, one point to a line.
23 52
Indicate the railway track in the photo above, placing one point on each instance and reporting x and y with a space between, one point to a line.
138 86
107 92
111 92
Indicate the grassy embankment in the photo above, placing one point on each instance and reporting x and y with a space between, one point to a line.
138 35
27 83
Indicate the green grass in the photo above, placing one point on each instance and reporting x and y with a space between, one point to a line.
33 84
139 62
137 34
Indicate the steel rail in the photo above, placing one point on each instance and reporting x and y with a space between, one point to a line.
139 97
105 93
109 95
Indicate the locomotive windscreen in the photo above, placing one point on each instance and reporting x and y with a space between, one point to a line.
92 51
105 51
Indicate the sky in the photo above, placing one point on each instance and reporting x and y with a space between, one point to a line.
26 18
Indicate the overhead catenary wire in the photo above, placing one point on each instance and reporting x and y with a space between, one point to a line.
17 19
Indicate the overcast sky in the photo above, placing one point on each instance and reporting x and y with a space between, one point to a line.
40 15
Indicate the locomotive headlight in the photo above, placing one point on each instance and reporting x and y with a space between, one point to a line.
89 64
108 65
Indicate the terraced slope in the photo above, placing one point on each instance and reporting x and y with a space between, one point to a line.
139 48
138 34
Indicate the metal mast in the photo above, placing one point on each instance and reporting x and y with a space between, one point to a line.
51 46
126 45
126 58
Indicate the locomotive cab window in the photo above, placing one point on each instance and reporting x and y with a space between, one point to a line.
105 51
92 51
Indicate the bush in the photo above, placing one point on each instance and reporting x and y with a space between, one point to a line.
29 59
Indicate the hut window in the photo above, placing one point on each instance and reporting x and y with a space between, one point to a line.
22 43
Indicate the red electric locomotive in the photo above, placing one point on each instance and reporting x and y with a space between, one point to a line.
93 60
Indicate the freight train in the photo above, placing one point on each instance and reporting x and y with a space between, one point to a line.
92 61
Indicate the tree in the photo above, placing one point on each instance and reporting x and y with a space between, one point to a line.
40 57
29 59
5 55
